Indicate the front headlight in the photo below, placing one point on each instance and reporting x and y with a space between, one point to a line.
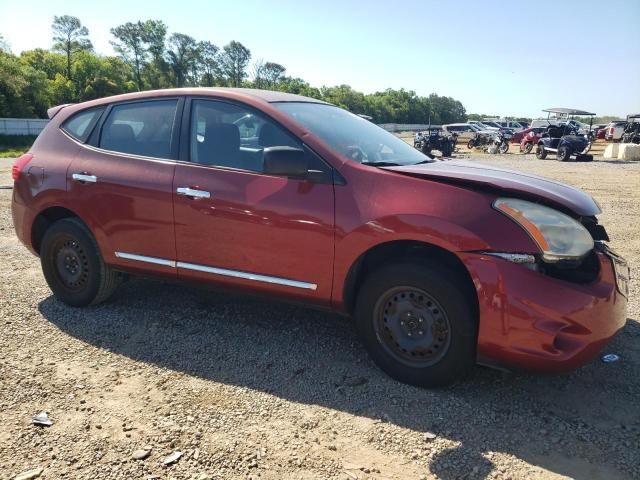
559 236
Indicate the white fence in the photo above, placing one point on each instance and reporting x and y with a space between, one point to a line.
21 126
406 127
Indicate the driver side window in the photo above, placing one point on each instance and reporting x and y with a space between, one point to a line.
229 135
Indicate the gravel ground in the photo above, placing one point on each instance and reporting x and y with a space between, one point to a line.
249 389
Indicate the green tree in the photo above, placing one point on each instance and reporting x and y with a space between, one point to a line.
130 45
234 60
182 57
23 89
69 36
209 58
154 34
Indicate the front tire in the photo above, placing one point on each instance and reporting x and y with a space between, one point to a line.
73 266
564 154
541 153
418 323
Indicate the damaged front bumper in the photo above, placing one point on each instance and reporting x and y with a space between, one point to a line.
535 320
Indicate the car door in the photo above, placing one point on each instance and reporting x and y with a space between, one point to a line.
239 227
121 184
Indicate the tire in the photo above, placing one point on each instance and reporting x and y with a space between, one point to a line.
503 148
541 153
528 147
421 294
564 154
470 144
73 266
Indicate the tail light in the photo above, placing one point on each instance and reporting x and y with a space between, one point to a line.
19 164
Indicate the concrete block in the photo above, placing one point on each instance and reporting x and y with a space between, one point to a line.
629 151
611 152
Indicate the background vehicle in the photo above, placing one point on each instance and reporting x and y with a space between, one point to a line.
495 140
323 208
435 139
632 129
564 138
614 130
531 138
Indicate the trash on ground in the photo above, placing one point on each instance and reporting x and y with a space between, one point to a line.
42 419
610 358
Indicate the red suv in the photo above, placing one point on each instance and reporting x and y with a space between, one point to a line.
442 264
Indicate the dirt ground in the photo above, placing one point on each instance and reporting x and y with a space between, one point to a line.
250 389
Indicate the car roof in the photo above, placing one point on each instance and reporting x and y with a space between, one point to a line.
268 96
567 111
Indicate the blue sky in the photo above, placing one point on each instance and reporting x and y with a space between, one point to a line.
497 57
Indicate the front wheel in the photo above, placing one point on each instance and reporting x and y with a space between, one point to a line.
418 323
541 153
503 148
73 266
470 144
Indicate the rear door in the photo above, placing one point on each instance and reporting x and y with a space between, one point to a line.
121 183
236 225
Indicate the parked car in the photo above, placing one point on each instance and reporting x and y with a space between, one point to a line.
615 130
599 130
441 264
464 128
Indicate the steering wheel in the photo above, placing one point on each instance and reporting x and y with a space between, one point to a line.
355 152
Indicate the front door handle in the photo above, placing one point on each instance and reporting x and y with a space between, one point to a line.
190 192
83 177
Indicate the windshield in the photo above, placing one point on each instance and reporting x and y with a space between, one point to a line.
352 136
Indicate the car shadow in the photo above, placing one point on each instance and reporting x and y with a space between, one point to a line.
314 357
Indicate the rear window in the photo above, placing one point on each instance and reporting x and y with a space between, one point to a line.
143 128
79 126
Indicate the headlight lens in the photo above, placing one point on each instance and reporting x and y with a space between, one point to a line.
559 236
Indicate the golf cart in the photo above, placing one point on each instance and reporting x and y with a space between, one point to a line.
632 129
433 139
562 138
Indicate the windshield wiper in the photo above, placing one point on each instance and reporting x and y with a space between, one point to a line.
381 164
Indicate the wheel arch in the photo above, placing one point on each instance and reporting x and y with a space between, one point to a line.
397 251
47 217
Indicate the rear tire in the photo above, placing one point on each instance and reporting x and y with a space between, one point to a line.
470 144
541 153
73 266
528 147
564 154
418 323
503 148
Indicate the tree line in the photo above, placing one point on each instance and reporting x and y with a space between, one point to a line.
149 57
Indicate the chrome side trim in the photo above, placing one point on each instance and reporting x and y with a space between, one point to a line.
219 271
144 258
248 276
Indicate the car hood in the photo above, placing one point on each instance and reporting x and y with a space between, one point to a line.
508 181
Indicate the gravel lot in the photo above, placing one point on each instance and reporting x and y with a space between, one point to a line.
250 389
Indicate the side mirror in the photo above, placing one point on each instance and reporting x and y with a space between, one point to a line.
285 162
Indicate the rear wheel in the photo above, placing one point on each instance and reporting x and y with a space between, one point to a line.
564 153
418 323
503 148
541 153
528 147
73 267
470 144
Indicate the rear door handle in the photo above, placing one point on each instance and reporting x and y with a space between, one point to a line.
190 192
83 177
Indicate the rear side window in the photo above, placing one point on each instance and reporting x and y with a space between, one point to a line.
79 126
143 128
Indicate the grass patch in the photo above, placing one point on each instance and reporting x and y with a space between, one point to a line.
12 152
